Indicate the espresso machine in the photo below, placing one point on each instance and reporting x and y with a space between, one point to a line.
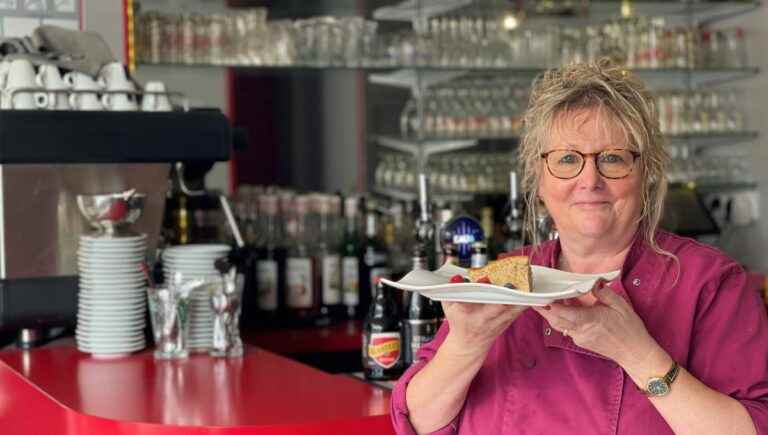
47 158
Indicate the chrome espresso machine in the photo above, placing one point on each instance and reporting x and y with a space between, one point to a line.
47 158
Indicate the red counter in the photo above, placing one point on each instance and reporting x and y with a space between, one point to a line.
58 390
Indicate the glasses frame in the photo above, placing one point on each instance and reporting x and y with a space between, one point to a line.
584 156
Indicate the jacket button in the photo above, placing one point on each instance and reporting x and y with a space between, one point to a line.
531 363
548 332
636 282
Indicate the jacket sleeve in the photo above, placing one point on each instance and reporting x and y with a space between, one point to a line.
730 343
398 405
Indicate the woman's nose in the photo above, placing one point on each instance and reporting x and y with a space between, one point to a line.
590 176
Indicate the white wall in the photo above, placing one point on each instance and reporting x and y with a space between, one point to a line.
106 18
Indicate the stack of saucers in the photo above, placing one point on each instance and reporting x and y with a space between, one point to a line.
112 298
196 261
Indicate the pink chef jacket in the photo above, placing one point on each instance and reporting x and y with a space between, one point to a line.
536 381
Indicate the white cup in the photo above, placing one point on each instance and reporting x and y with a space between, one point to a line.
83 100
114 78
155 102
5 67
121 101
49 77
19 83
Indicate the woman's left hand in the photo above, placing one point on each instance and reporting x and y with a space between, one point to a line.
610 327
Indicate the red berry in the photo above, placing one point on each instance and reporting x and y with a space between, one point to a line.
455 279
117 210
484 280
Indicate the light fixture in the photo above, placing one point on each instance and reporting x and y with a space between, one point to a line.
510 22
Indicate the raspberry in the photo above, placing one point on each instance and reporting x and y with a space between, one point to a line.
484 280
455 279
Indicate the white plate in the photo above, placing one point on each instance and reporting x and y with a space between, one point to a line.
134 338
103 331
197 248
111 239
110 351
548 285
127 247
110 306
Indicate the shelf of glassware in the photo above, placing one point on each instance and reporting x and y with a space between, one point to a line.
409 76
412 195
591 11
436 144
422 77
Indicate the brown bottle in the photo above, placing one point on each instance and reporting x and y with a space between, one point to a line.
382 337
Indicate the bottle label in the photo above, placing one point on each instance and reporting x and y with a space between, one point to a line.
266 272
299 283
421 332
350 280
384 349
331 280
376 273
371 257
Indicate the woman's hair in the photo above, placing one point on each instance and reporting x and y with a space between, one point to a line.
619 97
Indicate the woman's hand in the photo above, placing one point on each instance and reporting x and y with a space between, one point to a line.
474 327
610 328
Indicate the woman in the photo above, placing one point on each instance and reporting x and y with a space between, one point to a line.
675 344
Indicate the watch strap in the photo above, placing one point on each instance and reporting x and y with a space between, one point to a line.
672 373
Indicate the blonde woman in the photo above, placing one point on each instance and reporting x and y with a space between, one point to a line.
675 344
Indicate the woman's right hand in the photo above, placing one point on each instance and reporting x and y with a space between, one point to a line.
474 327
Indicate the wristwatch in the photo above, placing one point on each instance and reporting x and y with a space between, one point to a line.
658 387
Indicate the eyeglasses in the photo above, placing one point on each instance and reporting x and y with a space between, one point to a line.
613 164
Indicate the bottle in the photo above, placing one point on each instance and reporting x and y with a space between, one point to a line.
382 337
350 261
421 319
302 292
489 229
450 254
375 257
270 263
479 255
328 259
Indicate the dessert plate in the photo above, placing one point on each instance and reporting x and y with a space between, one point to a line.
548 285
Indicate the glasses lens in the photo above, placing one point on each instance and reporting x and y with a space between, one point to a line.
564 163
615 163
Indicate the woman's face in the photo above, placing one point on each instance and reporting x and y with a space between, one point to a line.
590 206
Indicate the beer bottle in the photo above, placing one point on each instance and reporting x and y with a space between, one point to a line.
375 257
382 337
420 321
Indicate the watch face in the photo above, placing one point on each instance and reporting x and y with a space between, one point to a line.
658 387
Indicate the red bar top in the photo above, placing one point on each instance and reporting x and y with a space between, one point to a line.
344 336
262 393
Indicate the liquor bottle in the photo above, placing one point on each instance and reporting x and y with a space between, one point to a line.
421 318
302 292
479 255
375 257
382 337
328 259
350 261
270 263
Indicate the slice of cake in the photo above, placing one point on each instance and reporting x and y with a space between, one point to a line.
510 270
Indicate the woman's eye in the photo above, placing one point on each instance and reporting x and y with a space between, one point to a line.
569 159
611 158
